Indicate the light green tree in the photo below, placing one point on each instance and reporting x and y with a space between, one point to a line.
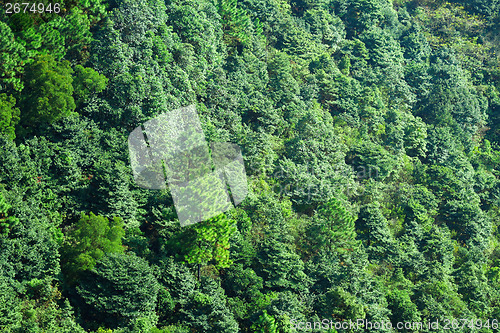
87 82
89 240
9 115
49 91
211 242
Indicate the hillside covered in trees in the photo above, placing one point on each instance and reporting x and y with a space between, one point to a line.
370 131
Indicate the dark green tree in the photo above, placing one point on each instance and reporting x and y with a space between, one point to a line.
281 268
333 228
120 290
374 231
6 221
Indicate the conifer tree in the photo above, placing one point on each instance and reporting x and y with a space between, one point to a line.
333 228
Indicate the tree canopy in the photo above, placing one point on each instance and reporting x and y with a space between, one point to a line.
370 136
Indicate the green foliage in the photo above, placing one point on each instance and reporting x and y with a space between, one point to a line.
333 228
371 161
87 82
243 282
206 242
119 291
50 92
235 22
10 315
374 231
6 221
36 307
402 307
345 65
341 305
370 135
265 324
88 241
359 15
44 310
9 116
30 250
206 310
281 268
12 54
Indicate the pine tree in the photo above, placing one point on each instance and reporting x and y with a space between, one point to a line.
235 21
9 115
333 228
6 221
48 94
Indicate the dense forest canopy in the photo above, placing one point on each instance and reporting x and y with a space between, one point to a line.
370 131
